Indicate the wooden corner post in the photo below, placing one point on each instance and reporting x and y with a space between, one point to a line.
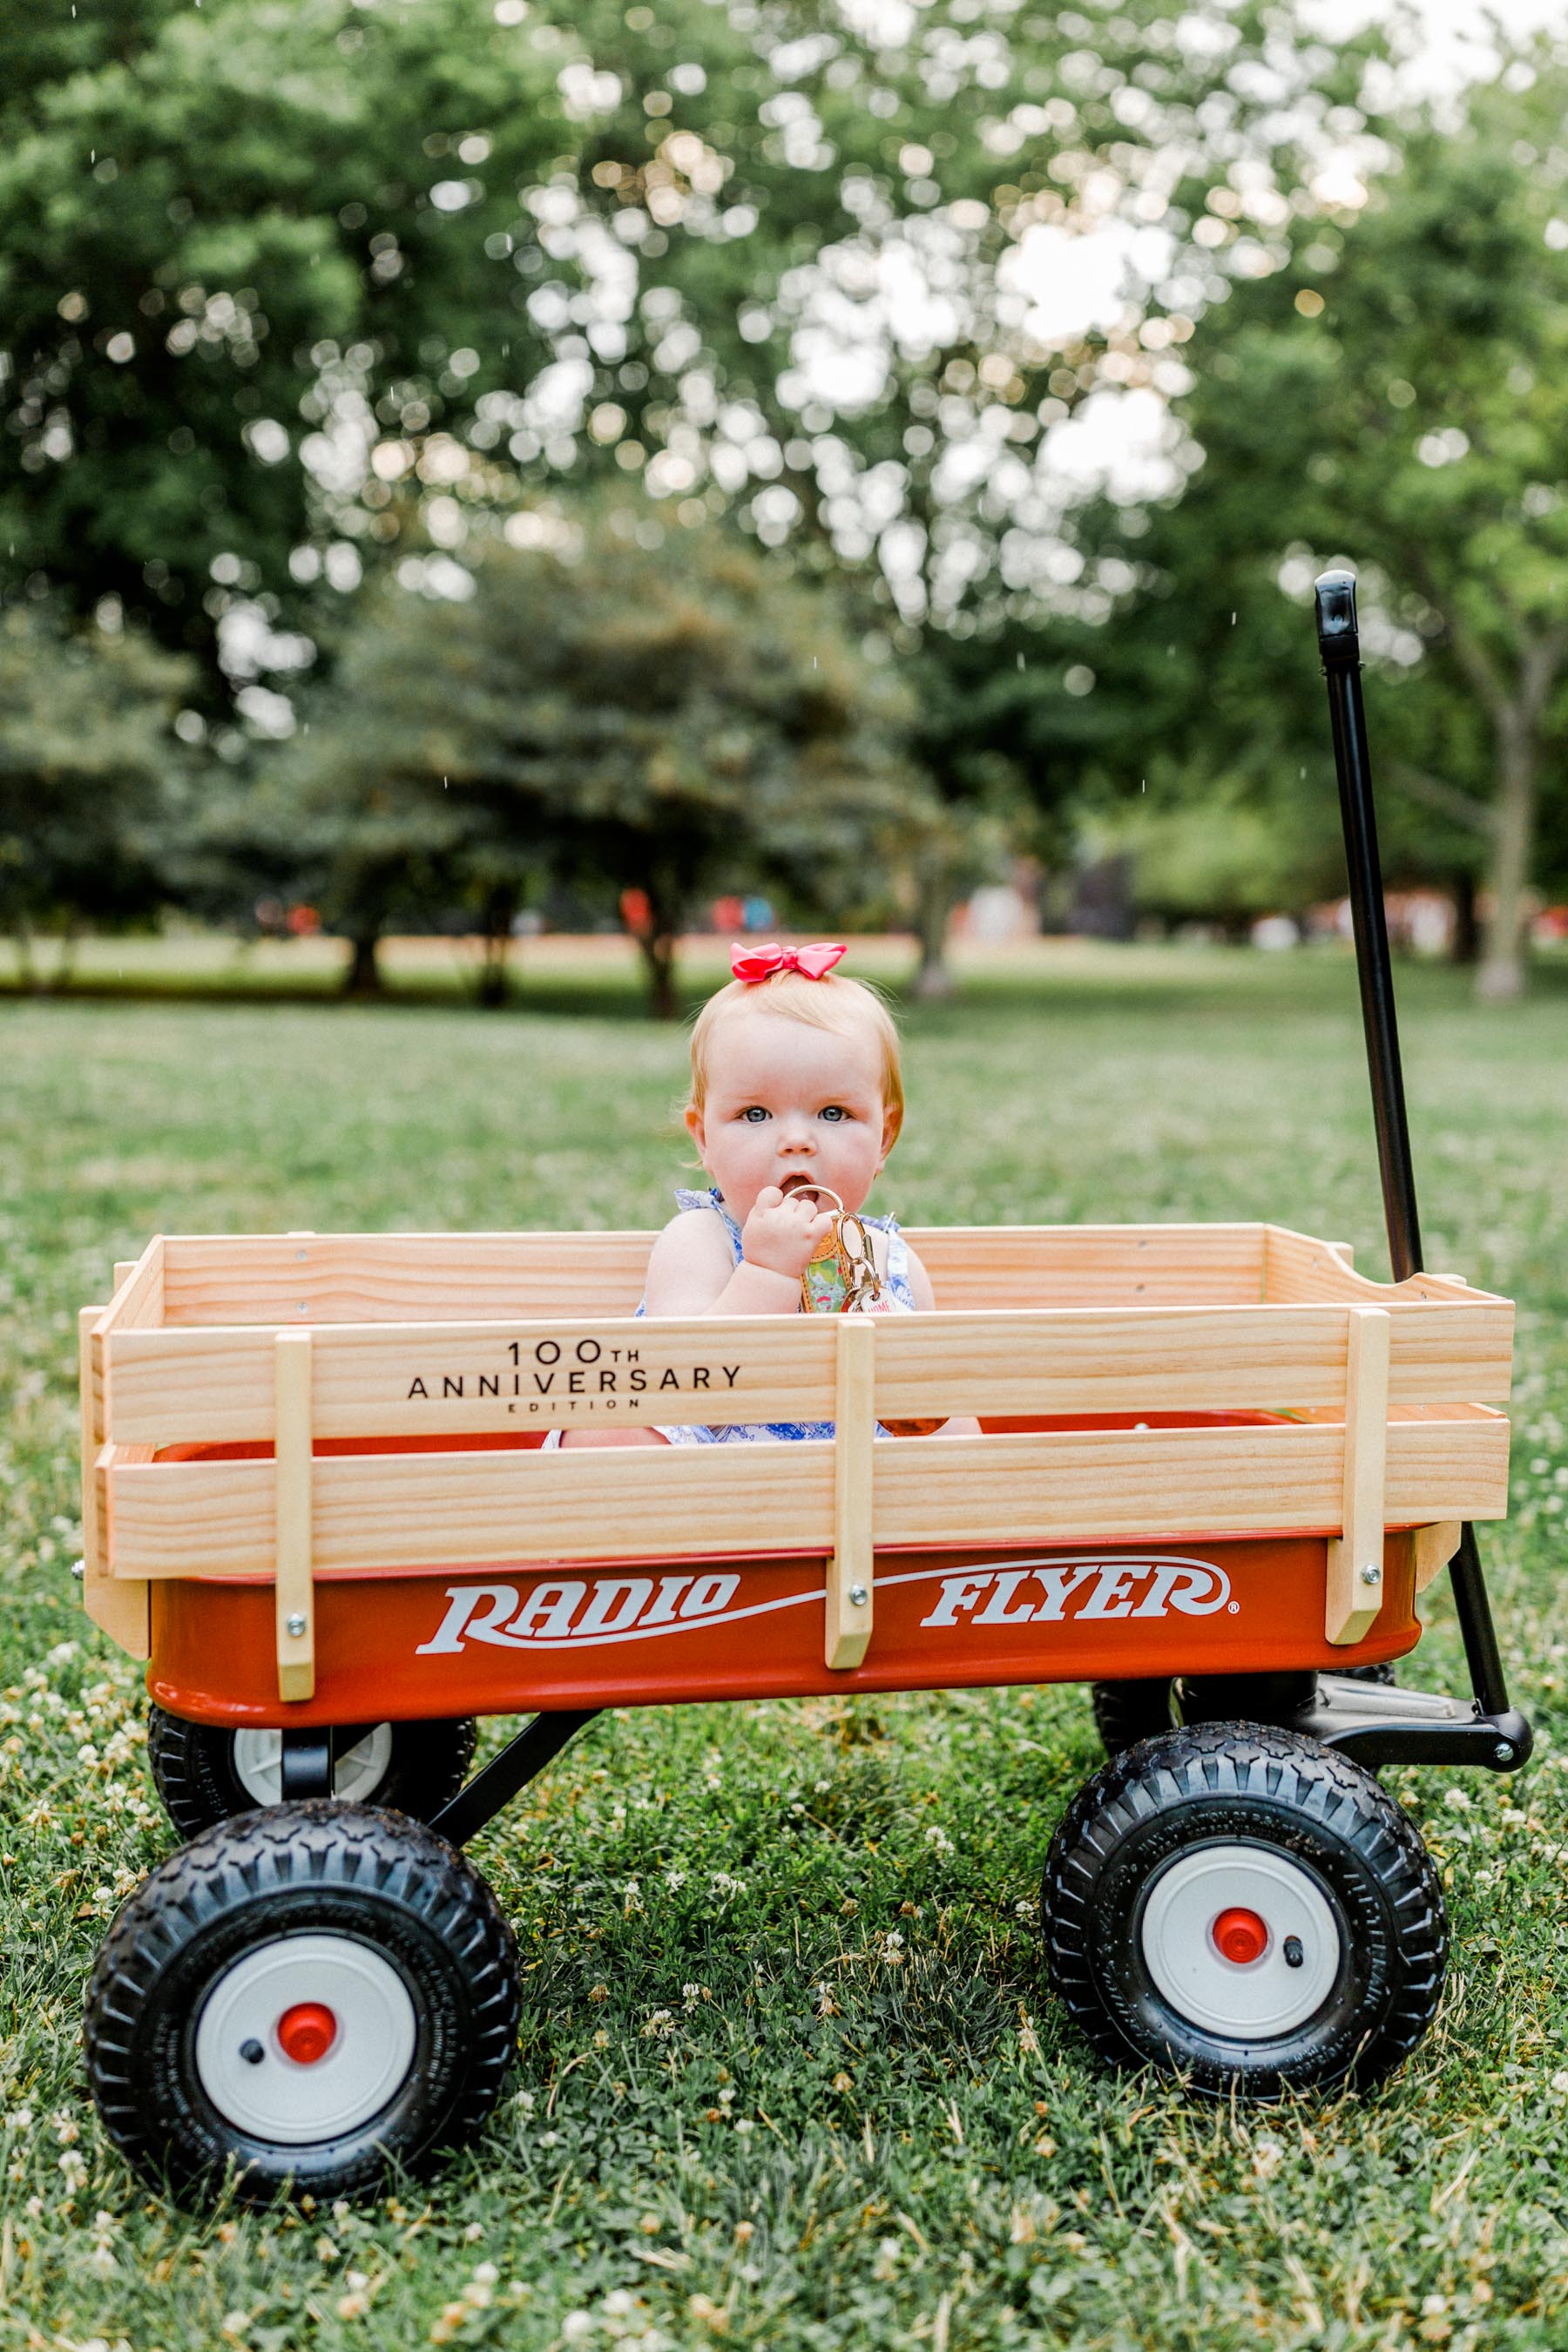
850 1566
1355 1594
295 1595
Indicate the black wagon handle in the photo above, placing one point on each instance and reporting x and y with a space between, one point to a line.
1339 642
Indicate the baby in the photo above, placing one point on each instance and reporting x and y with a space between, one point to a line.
794 1084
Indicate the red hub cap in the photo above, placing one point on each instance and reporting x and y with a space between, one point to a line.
308 2031
1240 1936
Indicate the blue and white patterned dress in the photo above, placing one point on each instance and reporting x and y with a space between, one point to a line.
896 1283
900 1296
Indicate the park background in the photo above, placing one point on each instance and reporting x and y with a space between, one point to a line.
486 492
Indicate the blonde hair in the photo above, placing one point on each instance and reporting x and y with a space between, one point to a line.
847 1007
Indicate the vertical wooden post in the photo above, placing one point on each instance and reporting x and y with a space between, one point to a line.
850 1566
1355 1592
295 1597
121 1605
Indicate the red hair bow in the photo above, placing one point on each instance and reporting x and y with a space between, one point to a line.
761 963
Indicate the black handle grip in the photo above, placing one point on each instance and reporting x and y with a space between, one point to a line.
1338 640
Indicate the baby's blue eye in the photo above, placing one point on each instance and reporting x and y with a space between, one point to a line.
754 1114
835 1111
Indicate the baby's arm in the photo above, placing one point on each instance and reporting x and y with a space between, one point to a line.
691 1271
962 1424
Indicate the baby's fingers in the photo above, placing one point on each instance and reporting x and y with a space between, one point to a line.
769 1197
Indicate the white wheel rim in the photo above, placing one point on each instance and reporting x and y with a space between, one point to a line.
357 1773
276 2097
1246 2001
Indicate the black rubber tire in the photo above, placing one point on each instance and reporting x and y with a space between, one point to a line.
377 1878
1127 1712
193 1770
1248 1783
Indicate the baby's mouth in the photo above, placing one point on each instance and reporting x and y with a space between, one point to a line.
798 1183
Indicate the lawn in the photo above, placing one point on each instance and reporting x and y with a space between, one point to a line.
788 2074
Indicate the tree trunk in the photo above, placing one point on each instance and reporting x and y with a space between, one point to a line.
60 979
27 976
362 977
656 949
1465 945
501 908
934 899
1506 936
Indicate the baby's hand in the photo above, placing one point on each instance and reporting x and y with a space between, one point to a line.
785 1230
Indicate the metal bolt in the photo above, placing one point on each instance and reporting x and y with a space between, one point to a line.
1371 1575
1503 1752
859 1596
296 1625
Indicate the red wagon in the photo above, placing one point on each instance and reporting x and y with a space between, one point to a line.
1217 1468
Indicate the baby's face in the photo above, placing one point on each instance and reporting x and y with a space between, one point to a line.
790 1105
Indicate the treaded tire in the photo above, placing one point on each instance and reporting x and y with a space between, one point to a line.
194 1769
373 1883
1127 1712
1232 1786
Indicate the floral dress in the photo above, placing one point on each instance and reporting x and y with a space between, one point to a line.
897 1297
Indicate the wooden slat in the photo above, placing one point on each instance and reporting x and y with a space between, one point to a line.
390 1380
1298 1269
1433 1549
1353 1593
414 1277
438 1277
850 1563
197 1519
980 1267
121 1607
138 1300
295 1603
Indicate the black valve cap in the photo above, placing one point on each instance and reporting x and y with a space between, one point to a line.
252 2052
1294 1955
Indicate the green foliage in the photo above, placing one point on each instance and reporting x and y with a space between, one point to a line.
1389 394
667 715
88 797
226 250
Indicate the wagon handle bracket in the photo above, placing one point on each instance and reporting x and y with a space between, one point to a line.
1339 643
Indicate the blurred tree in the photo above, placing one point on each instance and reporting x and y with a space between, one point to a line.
902 273
241 247
1390 396
664 716
88 798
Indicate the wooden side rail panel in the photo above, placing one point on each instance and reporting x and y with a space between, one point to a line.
381 1380
440 1277
437 1511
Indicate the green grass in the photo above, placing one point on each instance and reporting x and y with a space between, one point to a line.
701 2146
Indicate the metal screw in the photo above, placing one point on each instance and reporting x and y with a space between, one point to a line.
1371 1575
252 2052
296 1625
859 1596
1503 1752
